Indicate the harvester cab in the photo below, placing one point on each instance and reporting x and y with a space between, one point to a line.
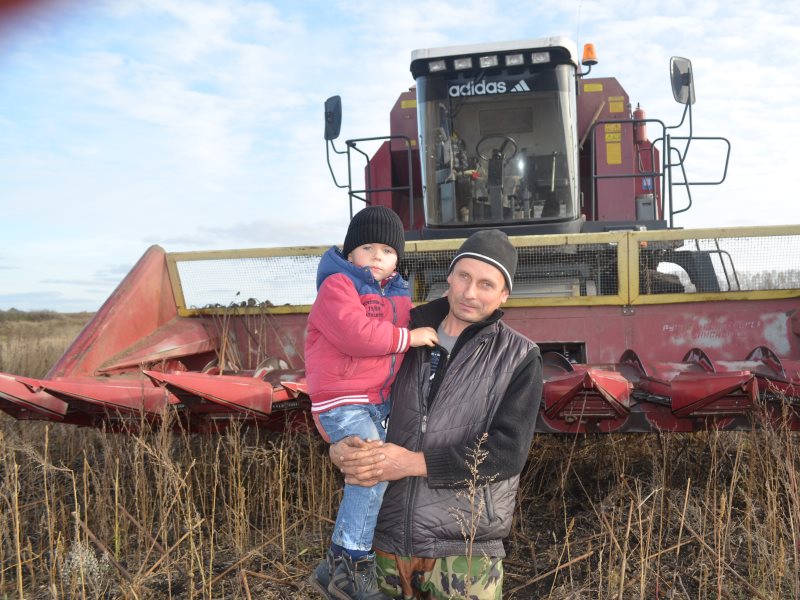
497 142
514 135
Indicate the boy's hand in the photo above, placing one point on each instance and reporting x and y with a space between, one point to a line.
423 336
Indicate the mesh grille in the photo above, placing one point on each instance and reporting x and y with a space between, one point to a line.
720 265
259 281
545 271
576 269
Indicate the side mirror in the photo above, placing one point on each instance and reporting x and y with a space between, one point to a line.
682 80
333 117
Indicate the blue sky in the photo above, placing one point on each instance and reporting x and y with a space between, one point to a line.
198 124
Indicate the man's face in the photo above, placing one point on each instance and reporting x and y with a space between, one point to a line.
477 289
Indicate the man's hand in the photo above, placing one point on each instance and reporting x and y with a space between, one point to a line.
369 462
350 449
358 459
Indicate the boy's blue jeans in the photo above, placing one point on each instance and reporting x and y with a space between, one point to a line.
358 512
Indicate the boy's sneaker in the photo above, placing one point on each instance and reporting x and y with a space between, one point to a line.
356 580
322 575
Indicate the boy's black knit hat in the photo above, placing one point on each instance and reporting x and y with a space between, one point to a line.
375 225
491 246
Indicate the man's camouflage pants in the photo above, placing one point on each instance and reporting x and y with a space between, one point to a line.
411 578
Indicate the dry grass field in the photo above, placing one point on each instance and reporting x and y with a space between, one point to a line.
245 514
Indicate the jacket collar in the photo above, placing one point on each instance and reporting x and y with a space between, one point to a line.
434 312
333 261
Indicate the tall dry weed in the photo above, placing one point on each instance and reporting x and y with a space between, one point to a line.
704 515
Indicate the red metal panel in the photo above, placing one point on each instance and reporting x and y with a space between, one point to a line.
107 394
177 339
247 395
142 302
390 169
602 100
648 159
17 399
665 332
587 395
260 336
378 175
704 394
403 120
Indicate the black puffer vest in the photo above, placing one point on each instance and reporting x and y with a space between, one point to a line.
416 520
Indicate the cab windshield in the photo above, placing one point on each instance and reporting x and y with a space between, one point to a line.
499 149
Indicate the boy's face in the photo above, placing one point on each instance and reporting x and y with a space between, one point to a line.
380 258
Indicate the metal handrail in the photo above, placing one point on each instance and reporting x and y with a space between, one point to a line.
368 189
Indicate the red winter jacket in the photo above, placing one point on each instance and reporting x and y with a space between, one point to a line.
357 335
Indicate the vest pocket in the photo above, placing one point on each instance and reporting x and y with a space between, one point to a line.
488 501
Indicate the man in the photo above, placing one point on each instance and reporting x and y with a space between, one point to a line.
462 421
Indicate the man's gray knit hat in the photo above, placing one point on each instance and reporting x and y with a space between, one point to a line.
491 246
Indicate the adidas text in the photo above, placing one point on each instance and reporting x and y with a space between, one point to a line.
477 89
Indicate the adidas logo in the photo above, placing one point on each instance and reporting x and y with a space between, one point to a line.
480 88
521 87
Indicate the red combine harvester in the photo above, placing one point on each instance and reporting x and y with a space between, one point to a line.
643 326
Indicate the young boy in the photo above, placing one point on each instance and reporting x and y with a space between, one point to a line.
357 334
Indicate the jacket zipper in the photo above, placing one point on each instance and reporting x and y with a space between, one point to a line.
425 406
412 493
